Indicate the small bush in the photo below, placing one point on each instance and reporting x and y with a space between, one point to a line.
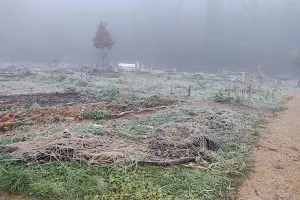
15 181
70 89
110 94
97 130
155 101
96 116
221 98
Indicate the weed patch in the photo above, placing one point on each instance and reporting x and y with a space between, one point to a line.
11 140
70 181
15 181
96 115
111 94
92 129
222 98
141 128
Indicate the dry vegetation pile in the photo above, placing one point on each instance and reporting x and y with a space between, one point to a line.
183 140
164 137
87 150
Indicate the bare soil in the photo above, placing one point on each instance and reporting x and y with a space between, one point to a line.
49 99
4 196
27 87
276 170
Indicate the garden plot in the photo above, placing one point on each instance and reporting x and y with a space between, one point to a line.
171 133
135 128
13 87
49 99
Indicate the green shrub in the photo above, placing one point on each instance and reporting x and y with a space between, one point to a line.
15 181
94 129
111 94
96 115
97 130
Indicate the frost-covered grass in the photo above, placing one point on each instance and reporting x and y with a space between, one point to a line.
222 173
254 93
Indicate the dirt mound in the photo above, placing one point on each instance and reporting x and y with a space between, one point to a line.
49 99
183 140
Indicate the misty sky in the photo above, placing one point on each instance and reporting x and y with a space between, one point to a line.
175 33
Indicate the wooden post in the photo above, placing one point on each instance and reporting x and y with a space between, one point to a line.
81 70
189 91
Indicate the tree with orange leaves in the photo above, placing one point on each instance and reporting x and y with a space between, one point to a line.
103 41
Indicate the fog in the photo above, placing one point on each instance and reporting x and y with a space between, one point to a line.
187 34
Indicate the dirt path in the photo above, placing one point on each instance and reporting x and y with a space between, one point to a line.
276 170
4 196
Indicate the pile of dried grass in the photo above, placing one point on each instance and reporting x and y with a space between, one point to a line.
183 140
96 151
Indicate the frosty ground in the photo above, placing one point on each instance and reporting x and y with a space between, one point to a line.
72 135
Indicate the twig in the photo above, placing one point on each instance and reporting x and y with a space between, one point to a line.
53 155
258 194
41 168
194 166
180 161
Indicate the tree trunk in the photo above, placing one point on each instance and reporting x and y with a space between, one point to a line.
298 85
103 59
107 61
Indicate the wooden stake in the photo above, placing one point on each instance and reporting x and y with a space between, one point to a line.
189 91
